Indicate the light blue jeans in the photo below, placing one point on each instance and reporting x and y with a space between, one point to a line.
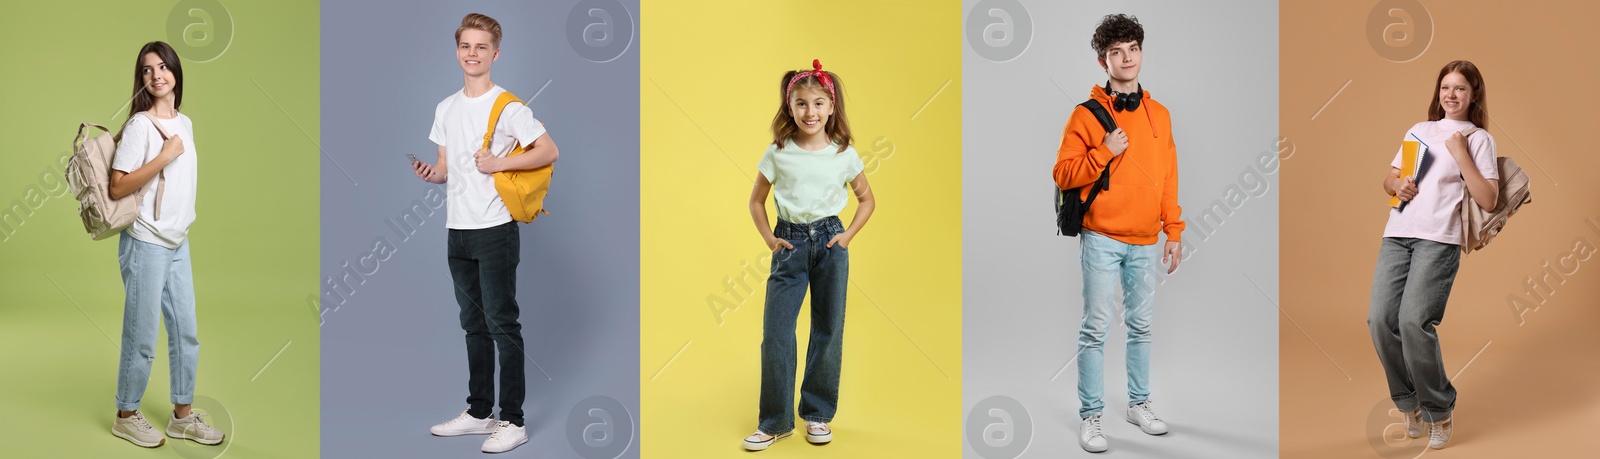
1108 263
157 283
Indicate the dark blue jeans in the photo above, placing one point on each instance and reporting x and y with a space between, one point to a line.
827 272
483 266
1409 289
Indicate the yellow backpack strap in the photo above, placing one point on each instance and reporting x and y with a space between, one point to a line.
500 103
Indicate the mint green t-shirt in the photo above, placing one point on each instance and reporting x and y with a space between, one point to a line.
810 185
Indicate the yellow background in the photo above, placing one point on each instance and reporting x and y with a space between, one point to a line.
709 81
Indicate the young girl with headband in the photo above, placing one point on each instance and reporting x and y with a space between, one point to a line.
806 169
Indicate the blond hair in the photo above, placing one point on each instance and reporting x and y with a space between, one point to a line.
480 22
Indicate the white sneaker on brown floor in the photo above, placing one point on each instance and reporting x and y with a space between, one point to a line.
1439 432
135 429
1414 423
194 428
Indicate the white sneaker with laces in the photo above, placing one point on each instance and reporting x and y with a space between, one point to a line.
1439 432
1143 416
1090 437
506 437
464 424
194 428
761 440
818 433
1414 423
137 430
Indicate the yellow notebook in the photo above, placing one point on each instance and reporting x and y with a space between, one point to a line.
1411 153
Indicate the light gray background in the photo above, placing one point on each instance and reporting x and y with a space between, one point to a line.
393 354
1214 369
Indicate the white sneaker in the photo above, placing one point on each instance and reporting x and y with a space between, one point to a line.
137 430
1414 423
464 424
1141 415
818 433
506 437
1439 432
761 440
1090 436
193 428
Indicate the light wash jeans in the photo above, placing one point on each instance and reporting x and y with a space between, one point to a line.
1108 263
157 283
1409 289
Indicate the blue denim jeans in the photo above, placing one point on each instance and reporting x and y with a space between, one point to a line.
1107 264
827 272
1409 289
483 267
157 283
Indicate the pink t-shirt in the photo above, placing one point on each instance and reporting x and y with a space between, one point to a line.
1435 213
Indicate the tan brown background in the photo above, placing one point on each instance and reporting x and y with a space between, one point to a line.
1529 386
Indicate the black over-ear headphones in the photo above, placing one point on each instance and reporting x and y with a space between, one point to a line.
1125 102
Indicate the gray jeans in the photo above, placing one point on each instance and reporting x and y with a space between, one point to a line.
1409 290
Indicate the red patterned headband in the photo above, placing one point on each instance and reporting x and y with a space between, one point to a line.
827 81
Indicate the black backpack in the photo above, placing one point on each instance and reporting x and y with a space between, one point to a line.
1069 210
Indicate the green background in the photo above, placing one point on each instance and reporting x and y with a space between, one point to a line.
254 243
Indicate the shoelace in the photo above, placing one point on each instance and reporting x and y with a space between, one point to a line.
199 424
499 428
460 419
1146 412
1094 426
817 425
138 420
1436 432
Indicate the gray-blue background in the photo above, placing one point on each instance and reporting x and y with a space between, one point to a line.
393 355
1214 363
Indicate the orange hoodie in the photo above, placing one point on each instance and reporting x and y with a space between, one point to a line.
1142 200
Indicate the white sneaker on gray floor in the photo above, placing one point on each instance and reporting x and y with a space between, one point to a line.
464 424
1143 416
506 437
1090 436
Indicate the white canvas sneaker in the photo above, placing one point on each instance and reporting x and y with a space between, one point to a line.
137 430
1090 437
761 440
506 437
464 424
1414 423
1143 416
1439 432
818 433
193 428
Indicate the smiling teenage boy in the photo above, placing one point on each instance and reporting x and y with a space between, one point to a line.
1126 221
484 244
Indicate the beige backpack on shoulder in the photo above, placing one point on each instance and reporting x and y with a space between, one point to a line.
89 179
1478 226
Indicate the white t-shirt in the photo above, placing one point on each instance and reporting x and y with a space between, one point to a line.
141 144
810 185
1435 212
458 125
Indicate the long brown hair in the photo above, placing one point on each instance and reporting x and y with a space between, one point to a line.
1478 110
783 125
142 100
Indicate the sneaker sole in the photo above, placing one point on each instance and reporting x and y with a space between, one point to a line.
1142 429
197 440
519 443
761 446
457 434
130 439
819 439
1091 449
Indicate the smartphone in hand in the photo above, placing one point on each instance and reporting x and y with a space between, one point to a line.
413 158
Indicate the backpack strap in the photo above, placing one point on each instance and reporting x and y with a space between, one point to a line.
1109 124
161 176
500 103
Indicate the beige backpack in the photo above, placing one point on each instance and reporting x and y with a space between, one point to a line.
89 179
1478 227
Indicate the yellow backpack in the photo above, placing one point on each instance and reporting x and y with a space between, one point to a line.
522 190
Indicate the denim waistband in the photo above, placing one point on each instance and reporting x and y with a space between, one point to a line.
827 226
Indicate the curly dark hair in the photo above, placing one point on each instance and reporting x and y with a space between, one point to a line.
1116 28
